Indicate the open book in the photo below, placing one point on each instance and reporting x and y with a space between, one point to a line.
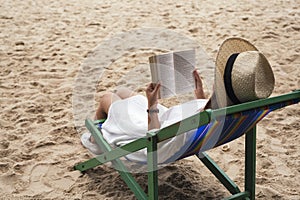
174 72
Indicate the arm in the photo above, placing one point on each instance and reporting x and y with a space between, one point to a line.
152 93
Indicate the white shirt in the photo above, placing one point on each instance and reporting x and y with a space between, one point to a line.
127 121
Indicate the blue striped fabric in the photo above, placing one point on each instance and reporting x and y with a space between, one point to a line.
227 128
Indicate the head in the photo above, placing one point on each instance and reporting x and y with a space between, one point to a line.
242 74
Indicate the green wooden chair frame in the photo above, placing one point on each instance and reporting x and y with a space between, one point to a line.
151 140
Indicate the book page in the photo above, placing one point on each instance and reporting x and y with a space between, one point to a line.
184 64
163 72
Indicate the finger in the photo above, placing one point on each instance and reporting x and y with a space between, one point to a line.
157 86
195 73
148 87
199 80
151 87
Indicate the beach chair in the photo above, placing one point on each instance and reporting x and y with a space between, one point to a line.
234 121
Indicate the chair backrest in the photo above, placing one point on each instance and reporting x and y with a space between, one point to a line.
225 128
214 127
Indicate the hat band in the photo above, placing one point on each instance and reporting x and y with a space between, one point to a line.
227 79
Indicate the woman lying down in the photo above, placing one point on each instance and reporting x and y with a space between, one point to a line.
129 117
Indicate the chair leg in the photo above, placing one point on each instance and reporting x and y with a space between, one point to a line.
152 167
250 162
219 173
117 163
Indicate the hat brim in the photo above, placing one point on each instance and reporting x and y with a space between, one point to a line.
228 47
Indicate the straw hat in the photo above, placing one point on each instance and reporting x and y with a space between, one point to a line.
242 73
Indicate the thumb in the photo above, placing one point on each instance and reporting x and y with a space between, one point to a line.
156 90
157 86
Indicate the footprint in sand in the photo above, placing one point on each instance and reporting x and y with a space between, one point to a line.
45 178
36 185
4 144
4 167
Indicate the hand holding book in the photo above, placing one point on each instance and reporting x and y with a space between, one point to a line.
152 94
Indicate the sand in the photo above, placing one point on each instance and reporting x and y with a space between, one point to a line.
44 44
